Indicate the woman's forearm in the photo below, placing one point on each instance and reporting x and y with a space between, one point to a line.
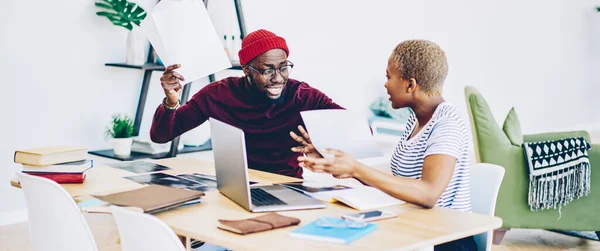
410 190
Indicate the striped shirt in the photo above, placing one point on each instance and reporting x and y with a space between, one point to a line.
445 133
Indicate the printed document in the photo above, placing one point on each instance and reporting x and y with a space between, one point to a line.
341 130
182 33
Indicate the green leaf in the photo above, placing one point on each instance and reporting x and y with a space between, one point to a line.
126 13
121 127
598 8
106 14
141 17
119 22
120 5
137 11
103 5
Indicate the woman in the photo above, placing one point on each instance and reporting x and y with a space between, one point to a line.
430 165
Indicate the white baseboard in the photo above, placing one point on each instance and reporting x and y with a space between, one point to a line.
13 217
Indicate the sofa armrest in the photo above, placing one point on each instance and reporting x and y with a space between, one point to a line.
556 136
594 155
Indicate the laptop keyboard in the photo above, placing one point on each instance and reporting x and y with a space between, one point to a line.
261 198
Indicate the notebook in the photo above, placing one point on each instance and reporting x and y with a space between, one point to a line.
153 198
360 198
331 234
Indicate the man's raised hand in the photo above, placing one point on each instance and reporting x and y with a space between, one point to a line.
170 82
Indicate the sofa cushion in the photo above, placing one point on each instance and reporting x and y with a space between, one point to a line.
512 128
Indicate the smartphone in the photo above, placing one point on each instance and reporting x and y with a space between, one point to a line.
371 215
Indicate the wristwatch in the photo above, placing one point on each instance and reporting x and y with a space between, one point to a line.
169 107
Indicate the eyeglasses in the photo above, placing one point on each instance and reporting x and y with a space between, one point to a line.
269 74
329 222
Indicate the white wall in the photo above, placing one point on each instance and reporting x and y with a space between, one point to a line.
539 56
56 89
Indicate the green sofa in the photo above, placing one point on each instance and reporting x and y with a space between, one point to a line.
503 146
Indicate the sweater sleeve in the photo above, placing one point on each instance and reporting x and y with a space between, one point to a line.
317 99
168 124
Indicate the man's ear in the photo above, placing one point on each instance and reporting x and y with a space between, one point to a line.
245 70
412 85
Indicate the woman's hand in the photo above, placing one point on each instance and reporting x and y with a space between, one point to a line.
307 147
341 165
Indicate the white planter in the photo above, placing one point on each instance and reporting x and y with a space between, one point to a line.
134 48
122 147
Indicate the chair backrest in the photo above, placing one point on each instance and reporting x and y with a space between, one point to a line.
485 183
487 134
55 221
140 231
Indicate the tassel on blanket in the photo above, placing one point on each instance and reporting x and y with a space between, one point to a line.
559 172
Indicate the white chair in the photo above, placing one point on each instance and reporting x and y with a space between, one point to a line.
485 182
139 231
55 221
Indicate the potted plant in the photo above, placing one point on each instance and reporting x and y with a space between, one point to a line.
121 132
126 14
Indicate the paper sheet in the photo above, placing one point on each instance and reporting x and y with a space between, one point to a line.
342 130
148 28
182 33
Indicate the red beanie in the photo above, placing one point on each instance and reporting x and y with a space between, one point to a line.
258 42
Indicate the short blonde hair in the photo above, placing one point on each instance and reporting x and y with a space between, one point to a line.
422 60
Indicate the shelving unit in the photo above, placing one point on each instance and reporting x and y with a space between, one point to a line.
148 68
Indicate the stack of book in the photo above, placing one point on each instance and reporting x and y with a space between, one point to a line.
63 164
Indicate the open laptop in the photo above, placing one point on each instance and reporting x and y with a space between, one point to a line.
231 164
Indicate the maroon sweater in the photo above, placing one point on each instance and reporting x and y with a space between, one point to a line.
265 125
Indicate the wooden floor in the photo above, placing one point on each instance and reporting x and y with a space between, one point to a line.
15 238
535 239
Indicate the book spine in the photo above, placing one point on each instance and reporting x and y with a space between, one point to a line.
22 158
62 178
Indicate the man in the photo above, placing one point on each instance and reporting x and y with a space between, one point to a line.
265 104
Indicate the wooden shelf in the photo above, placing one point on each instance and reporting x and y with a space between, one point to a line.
109 153
147 66
157 67
235 67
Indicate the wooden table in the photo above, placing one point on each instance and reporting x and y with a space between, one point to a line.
414 228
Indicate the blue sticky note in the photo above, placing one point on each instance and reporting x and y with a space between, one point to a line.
90 203
332 234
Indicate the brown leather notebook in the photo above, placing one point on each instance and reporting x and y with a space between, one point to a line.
153 198
258 224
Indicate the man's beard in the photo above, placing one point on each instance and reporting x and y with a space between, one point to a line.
266 98
278 100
